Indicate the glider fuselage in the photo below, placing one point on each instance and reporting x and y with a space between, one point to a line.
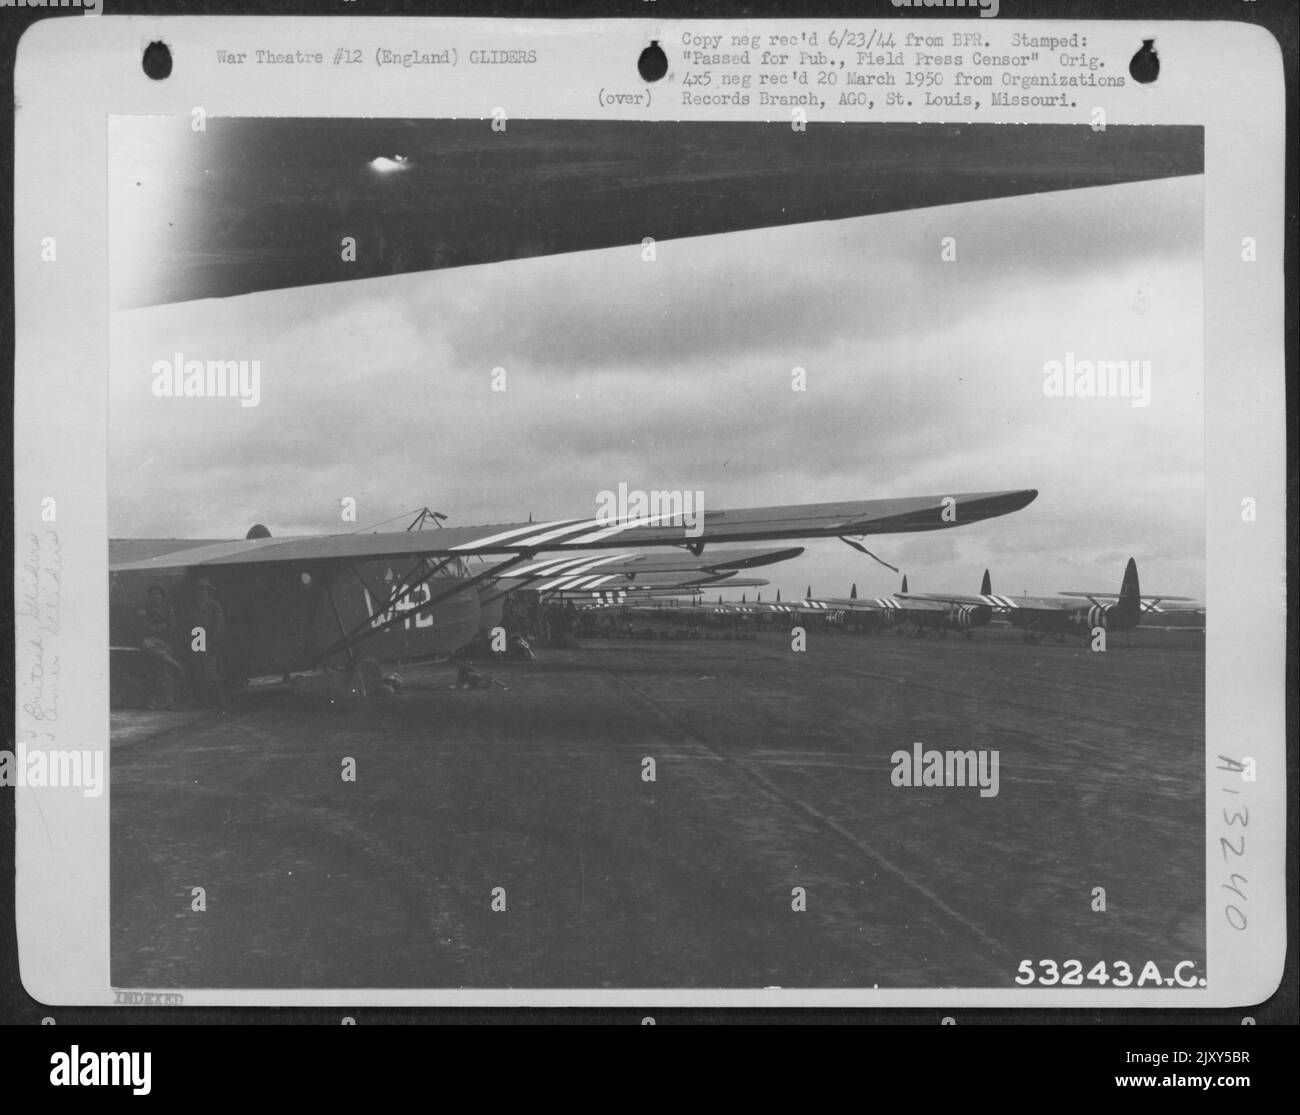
280 619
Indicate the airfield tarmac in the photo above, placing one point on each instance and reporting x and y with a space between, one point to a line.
772 772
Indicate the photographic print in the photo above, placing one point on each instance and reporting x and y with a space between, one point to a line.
611 514
430 665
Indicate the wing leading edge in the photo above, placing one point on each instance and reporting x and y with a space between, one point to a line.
275 189
755 524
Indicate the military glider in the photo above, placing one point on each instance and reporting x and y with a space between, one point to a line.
295 604
1070 613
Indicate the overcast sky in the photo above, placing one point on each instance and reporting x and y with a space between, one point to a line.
923 377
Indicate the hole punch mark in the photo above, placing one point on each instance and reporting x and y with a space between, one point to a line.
1145 66
157 61
653 63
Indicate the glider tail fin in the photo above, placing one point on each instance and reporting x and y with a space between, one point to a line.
1129 607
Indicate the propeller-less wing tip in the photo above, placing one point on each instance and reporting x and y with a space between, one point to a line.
754 559
1004 502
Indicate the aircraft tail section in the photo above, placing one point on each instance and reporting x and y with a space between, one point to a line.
986 585
1129 607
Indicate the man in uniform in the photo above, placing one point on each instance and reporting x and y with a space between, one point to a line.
159 631
209 616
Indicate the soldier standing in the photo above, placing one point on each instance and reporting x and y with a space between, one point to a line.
159 625
211 620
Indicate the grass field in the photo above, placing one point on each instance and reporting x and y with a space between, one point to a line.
772 772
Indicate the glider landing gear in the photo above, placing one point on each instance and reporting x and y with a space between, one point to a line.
469 678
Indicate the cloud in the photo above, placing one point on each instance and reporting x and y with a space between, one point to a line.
791 287
922 376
